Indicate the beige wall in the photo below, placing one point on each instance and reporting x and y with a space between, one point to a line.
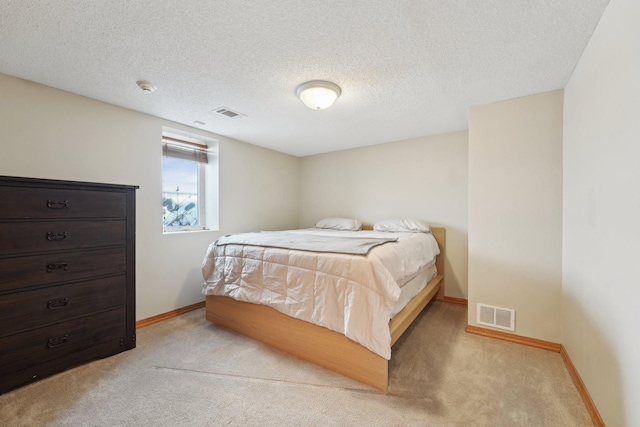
515 211
601 228
47 133
424 178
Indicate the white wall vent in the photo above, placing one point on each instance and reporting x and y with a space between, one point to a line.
496 317
228 112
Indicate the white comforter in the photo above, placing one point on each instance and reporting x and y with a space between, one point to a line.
349 294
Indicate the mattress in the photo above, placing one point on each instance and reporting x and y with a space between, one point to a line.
354 295
413 285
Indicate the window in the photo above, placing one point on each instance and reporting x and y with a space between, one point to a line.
189 183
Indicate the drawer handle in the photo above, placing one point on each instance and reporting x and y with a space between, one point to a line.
57 204
55 342
56 236
60 266
57 303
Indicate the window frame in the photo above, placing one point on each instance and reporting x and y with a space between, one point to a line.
199 152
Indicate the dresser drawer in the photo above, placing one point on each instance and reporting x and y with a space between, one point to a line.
21 311
35 202
62 340
15 379
58 267
39 236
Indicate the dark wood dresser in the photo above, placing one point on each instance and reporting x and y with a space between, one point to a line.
67 275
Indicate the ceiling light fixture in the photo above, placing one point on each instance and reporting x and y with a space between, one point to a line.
318 94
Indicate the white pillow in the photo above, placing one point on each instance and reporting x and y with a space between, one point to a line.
340 224
403 224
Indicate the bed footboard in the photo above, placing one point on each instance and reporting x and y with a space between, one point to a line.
313 343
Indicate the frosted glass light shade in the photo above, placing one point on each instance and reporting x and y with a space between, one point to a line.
318 94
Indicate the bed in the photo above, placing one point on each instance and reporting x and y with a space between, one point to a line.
283 322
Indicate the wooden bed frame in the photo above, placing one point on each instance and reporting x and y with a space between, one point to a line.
320 345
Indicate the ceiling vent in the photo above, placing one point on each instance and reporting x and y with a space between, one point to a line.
228 112
496 317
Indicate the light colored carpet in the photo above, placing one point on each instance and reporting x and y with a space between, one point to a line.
189 372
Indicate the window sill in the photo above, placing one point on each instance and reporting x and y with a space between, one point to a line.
164 232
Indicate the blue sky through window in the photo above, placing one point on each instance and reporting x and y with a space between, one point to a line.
179 173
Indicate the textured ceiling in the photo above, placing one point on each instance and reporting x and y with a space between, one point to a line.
406 68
